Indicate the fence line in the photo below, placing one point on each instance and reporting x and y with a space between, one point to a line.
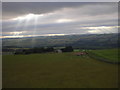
95 56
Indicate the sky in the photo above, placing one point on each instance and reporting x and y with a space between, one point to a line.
60 1
27 19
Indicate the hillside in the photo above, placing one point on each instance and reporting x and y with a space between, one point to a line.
106 55
91 41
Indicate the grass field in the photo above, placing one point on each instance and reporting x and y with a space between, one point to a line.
109 54
57 70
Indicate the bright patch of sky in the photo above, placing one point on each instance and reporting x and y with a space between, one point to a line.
25 19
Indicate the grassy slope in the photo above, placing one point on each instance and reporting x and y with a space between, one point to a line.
63 70
110 54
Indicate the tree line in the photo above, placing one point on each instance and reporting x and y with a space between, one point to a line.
42 50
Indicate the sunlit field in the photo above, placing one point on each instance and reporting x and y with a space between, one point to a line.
57 70
109 54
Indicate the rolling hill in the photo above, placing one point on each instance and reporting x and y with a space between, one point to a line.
88 41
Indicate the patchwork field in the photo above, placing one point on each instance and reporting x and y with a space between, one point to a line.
57 70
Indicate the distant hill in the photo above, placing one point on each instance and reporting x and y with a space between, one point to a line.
90 41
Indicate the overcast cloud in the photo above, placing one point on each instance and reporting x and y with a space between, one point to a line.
38 18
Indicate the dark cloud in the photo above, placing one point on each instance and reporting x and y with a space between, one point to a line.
14 9
59 18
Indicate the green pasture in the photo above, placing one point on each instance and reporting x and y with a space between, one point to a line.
109 54
57 70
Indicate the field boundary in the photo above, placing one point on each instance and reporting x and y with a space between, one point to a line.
95 56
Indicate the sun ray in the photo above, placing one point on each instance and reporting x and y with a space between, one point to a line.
16 33
34 32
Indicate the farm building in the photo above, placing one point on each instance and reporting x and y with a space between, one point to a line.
58 51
